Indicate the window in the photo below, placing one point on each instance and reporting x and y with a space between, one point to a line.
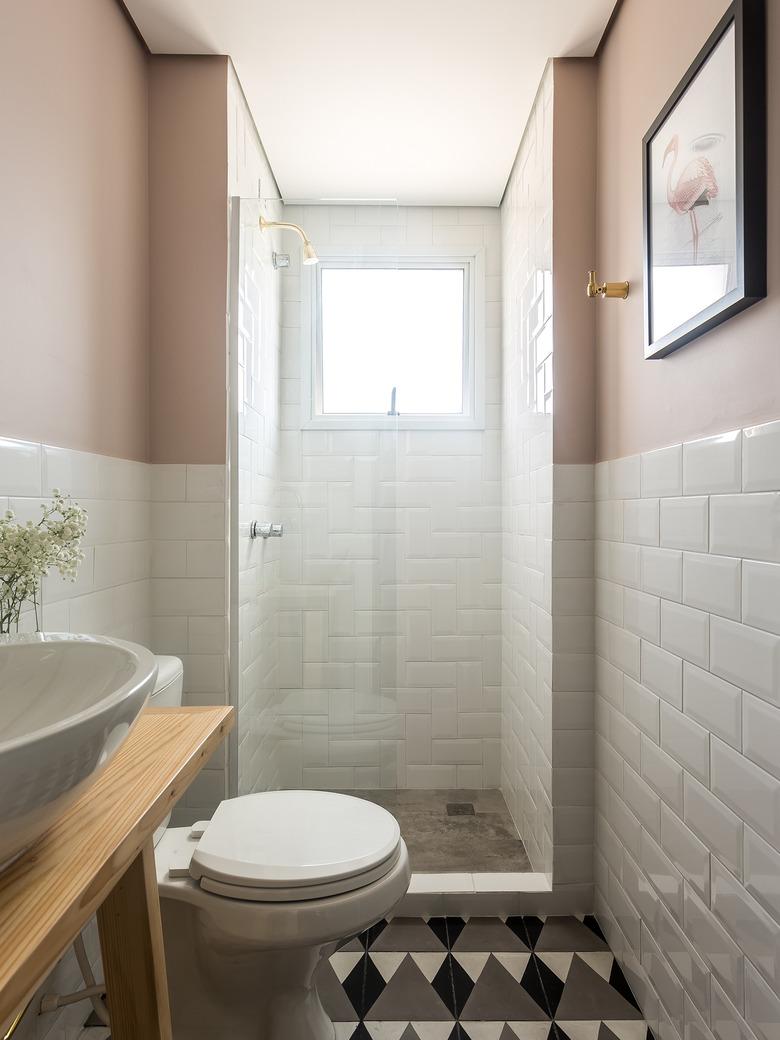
394 343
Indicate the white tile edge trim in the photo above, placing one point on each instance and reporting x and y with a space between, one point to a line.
479 882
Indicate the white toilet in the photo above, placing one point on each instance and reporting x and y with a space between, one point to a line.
254 899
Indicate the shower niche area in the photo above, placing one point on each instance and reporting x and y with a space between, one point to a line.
366 641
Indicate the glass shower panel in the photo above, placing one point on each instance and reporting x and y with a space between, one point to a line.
254 415
365 642
385 719
336 721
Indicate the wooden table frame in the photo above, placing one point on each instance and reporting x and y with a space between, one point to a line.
99 858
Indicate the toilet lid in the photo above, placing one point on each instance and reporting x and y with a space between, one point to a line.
294 840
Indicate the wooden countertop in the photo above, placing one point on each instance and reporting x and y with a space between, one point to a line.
51 892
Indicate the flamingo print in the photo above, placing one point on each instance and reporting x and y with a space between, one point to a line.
695 186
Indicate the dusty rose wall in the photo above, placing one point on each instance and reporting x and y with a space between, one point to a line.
574 215
74 227
188 220
731 376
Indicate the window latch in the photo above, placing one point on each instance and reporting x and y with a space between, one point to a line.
392 403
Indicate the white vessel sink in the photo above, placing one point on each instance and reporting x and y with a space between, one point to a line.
67 702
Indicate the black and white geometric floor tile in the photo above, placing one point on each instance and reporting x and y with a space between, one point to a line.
488 978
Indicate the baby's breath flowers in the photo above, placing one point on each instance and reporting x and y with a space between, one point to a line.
28 551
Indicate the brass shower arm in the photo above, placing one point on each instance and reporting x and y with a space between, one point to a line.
266 224
309 254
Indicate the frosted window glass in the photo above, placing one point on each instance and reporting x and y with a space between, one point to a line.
392 327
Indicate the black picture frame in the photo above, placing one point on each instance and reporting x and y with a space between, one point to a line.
749 20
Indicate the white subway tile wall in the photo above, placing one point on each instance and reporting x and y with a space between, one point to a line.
111 594
688 840
188 607
387 668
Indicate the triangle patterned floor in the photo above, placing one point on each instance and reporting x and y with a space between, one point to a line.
482 978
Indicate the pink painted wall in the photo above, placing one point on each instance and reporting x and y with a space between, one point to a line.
731 376
188 263
574 216
74 307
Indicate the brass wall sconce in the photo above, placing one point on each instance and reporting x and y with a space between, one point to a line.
608 290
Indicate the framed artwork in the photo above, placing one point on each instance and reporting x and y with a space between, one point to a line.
704 187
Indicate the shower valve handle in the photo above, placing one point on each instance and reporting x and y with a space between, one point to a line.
263 529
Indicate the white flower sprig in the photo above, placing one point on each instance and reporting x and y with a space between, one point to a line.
28 551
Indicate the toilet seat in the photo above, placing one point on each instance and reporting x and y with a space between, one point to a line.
301 893
286 846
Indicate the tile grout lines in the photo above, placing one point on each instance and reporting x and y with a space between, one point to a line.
452 978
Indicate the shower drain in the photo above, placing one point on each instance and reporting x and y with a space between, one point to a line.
460 808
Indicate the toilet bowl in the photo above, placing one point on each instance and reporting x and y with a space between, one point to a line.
254 899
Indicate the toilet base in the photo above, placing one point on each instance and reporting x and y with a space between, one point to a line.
245 970
226 992
294 1007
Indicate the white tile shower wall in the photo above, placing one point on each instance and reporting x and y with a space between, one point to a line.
527 479
254 406
390 576
688 731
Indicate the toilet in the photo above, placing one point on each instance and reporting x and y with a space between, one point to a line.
255 898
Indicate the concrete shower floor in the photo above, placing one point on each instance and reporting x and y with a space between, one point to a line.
455 831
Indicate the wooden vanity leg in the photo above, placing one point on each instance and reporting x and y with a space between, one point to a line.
133 957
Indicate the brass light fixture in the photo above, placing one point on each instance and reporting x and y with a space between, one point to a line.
607 290
309 254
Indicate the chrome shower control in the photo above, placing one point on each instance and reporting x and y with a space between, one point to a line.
263 529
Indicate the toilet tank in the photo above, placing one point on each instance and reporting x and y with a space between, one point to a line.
167 694
170 680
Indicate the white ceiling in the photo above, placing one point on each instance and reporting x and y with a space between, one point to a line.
423 101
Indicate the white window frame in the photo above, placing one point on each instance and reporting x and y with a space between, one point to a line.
472 263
